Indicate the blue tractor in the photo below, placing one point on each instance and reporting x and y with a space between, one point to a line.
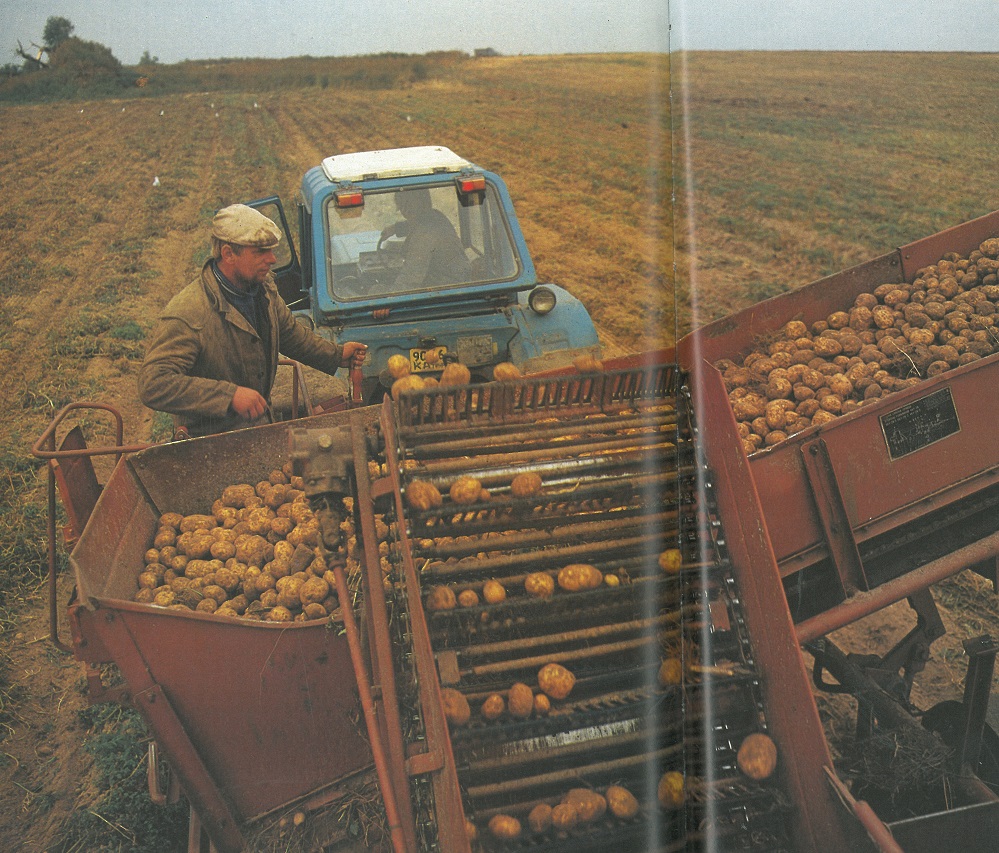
418 252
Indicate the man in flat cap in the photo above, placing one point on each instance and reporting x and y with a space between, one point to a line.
213 355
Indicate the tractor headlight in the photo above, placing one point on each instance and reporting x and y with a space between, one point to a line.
541 300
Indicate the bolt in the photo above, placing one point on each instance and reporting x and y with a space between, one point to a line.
325 441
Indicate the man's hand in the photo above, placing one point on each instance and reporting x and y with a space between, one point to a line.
354 353
248 403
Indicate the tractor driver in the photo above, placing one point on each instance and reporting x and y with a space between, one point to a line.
433 253
213 355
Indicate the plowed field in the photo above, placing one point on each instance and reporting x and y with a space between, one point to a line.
90 250
798 165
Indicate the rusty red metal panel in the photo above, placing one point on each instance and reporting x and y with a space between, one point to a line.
887 490
271 709
820 823
450 814
118 534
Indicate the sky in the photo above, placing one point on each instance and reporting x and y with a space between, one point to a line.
175 30
912 25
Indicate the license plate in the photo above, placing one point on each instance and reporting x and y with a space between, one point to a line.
421 360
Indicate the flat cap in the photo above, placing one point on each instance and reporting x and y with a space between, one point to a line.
244 226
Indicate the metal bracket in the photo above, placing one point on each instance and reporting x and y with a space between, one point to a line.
833 516
981 652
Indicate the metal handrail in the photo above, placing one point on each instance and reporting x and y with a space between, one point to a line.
45 448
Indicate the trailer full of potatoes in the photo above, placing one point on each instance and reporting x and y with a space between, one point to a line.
895 335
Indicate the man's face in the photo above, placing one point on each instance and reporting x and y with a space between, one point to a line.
248 266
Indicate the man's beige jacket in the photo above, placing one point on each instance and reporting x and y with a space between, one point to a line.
202 348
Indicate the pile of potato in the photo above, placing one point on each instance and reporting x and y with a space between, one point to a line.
254 556
576 807
555 682
889 340
756 760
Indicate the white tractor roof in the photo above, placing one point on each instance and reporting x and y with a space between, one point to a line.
393 163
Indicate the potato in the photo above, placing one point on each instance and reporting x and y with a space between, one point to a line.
556 681
313 591
165 536
171 519
197 522
279 614
671 560
506 372
455 374
456 709
468 598
441 598
465 490
827 347
195 544
776 413
423 496
164 598
621 802
526 484
542 705
150 580
406 384
520 701
539 585
757 756
493 706
493 592
795 329
564 817
222 550
838 320
504 826
313 610
579 576
471 831
398 366
590 805
671 791
237 495
260 583
288 591
540 818
254 550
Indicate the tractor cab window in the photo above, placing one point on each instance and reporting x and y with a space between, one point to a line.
417 239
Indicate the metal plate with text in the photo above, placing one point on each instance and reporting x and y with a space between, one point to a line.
476 349
920 424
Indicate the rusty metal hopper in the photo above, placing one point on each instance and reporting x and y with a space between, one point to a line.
251 716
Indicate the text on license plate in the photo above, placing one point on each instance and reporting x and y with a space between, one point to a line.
426 359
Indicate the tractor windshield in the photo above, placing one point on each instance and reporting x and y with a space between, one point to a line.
418 239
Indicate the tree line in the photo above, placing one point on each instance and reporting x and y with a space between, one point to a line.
65 58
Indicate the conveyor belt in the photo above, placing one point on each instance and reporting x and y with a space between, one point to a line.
623 482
